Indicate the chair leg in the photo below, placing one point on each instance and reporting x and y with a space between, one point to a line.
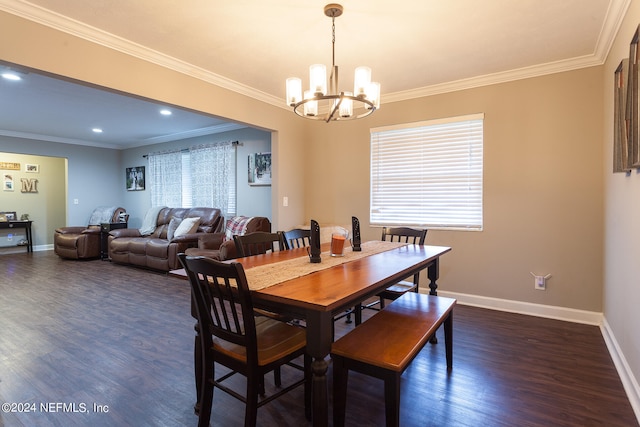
381 303
277 378
206 394
340 380
307 386
358 313
251 407
197 363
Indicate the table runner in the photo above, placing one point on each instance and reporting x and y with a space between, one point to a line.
268 275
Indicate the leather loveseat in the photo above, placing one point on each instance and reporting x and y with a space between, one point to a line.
176 229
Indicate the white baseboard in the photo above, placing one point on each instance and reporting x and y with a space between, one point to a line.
539 310
629 382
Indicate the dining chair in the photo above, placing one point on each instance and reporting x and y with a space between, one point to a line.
296 238
397 234
232 336
256 243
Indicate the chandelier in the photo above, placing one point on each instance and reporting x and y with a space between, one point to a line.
318 104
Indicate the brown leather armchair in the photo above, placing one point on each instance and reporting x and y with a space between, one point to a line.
221 246
82 242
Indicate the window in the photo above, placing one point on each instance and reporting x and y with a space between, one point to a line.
428 174
200 176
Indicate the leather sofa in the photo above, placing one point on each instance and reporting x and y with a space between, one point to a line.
221 246
159 250
83 242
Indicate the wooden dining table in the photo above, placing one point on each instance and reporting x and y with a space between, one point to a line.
318 296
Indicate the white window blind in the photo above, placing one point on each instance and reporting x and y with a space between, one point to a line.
428 174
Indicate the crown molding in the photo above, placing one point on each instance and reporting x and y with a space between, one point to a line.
226 127
49 138
613 20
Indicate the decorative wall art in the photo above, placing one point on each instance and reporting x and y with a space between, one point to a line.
31 168
135 178
260 169
7 182
620 134
29 185
10 166
626 132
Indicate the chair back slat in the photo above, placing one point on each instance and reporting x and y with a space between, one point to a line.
404 234
296 238
259 242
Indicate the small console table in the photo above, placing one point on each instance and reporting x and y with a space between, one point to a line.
105 228
20 224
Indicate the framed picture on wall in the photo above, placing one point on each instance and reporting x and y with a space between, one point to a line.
135 178
260 169
31 168
7 182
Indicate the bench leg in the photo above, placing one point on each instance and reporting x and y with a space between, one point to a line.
392 399
448 339
340 380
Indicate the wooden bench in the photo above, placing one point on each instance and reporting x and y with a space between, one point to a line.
384 345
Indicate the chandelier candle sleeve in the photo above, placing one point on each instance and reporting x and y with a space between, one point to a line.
318 103
294 90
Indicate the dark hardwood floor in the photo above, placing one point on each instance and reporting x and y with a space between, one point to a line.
74 334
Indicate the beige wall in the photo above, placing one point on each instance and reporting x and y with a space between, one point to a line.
622 224
542 186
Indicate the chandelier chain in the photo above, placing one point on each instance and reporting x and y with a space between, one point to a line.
333 40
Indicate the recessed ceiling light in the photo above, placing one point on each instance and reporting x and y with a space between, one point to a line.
96 130
165 112
11 76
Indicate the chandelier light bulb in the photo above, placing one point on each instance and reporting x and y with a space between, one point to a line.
362 80
346 106
294 91
318 79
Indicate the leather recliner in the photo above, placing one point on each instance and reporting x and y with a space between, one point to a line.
83 242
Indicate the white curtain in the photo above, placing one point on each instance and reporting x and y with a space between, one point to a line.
165 179
213 172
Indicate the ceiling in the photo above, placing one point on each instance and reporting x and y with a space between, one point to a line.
414 47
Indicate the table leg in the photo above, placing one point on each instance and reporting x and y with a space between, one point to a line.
319 396
433 272
319 339
29 238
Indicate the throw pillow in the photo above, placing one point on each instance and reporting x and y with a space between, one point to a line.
173 226
187 226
